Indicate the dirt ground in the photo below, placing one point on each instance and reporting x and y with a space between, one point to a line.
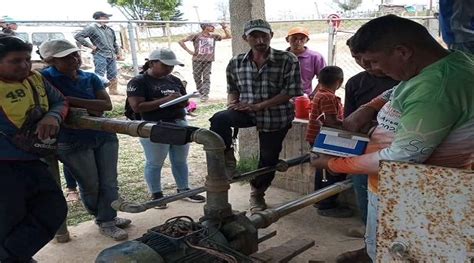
328 233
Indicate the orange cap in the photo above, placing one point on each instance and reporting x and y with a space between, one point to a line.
298 30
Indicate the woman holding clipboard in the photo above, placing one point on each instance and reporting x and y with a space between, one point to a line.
146 93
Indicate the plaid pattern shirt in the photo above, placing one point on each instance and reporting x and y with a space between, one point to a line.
325 101
279 75
103 37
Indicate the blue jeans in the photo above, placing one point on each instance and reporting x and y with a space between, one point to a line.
359 183
103 64
155 155
371 226
94 166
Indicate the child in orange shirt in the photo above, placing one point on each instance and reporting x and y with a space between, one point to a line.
326 110
326 107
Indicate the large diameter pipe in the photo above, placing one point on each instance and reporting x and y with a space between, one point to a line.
267 217
79 119
217 185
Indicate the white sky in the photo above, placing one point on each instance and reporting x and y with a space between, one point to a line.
207 9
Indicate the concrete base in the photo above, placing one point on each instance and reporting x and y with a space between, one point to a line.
328 233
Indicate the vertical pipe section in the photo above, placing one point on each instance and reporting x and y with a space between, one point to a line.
331 44
217 184
267 217
133 47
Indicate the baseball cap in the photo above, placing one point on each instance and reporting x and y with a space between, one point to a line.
57 48
165 56
298 30
257 25
100 14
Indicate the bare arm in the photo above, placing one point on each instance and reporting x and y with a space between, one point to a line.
232 98
332 121
102 103
138 104
183 45
227 34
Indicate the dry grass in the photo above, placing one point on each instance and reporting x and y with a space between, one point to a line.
131 164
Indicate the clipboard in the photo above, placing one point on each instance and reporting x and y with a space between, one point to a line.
180 99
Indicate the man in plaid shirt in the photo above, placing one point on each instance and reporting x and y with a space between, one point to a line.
260 84
104 48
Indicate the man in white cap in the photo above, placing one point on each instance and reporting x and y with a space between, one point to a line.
104 48
260 84
91 156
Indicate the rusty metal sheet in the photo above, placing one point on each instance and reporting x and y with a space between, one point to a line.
426 214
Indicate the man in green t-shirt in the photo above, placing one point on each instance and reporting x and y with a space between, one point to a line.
427 118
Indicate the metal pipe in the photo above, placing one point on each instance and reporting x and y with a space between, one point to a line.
79 119
267 217
131 207
282 166
217 185
133 47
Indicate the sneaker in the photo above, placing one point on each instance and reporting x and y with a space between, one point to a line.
356 256
257 204
159 195
338 212
110 230
193 198
122 222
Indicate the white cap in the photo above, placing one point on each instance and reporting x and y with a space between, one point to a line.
57 48
165 56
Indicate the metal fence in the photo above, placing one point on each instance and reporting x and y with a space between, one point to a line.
139 38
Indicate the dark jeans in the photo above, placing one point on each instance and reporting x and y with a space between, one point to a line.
330 202
359 183
70 181
32 208
270 143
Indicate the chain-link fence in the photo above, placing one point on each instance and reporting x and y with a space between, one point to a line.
139 38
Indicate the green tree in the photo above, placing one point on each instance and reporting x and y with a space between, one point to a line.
348 5
163 10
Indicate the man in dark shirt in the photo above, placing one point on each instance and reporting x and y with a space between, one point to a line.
360 89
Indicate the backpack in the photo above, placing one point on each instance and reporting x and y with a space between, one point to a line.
130 114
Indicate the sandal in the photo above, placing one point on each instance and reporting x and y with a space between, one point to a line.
72 196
